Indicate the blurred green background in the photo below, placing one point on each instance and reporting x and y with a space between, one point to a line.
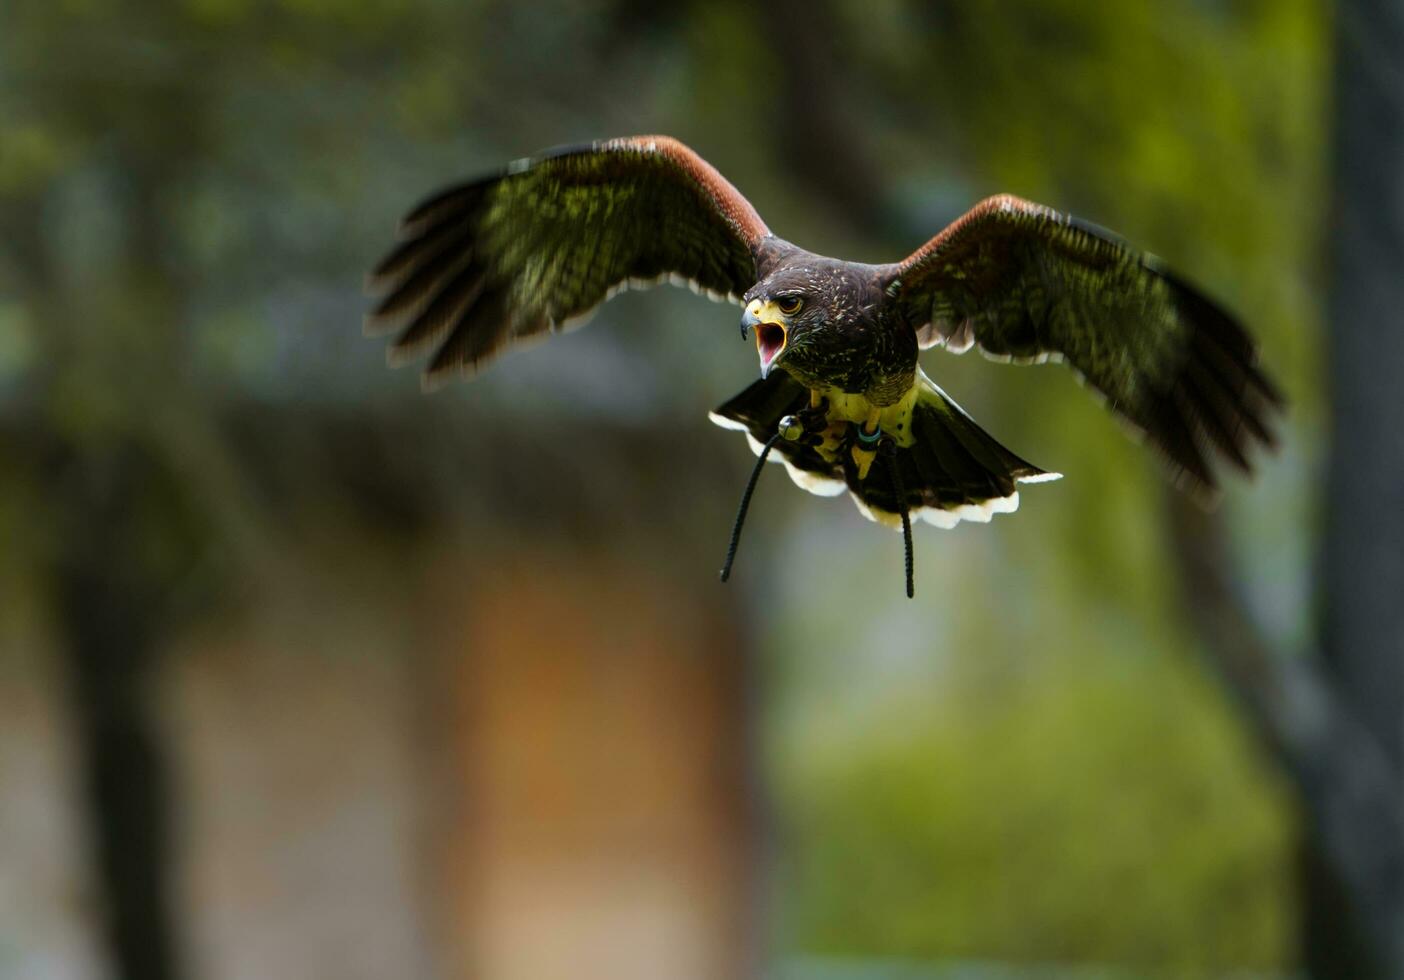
303 673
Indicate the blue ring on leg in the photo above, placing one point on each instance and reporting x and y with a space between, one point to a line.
869 440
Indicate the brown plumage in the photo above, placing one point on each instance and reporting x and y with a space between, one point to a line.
513 257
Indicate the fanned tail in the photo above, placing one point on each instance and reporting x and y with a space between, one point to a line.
953 470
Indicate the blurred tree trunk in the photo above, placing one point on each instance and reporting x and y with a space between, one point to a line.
1362 631
106 604
127 531
106 594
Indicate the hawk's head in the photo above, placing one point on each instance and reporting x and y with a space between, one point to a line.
803 312
778 319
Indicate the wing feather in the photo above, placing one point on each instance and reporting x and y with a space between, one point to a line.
1023 282
499 261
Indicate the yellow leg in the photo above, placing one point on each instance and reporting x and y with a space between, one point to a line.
863 457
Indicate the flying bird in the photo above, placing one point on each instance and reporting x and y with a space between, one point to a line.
509 259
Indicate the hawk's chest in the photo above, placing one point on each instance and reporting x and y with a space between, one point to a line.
869 359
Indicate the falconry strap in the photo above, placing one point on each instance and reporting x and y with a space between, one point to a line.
801 428
746 501
887 448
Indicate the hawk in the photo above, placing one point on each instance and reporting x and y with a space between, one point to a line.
509 259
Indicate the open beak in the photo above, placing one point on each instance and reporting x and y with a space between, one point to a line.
771 336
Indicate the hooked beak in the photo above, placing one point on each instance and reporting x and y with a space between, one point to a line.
771 333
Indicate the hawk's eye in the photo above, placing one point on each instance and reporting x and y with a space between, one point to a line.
789 305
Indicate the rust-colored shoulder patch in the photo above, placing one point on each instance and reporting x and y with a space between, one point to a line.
733 205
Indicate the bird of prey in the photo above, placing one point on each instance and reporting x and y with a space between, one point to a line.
511 258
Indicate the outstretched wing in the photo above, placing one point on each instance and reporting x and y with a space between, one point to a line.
1026 283
487 265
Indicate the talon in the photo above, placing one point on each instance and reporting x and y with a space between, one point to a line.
830 440
814 421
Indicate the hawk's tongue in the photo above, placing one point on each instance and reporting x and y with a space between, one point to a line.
770 340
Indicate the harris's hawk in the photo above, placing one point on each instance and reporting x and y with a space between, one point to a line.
509 259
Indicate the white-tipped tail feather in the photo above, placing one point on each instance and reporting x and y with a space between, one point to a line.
949 471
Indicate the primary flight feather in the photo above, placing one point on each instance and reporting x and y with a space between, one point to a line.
511 258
